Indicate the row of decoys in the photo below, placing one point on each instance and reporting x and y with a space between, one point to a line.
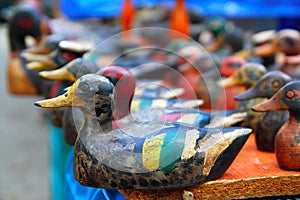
170 147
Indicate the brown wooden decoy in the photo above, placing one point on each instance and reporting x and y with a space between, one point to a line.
287 140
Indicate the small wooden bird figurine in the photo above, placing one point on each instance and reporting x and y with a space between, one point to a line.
246 76
287 140
270 122
150 155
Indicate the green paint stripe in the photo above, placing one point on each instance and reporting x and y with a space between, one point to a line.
171 149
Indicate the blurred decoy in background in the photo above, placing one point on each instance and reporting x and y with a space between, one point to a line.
286 45
65 52
246 76
141 156
269 122
226 39
23 22
228 66
257 40
287 143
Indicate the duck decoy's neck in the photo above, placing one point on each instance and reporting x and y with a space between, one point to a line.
294 116
96 122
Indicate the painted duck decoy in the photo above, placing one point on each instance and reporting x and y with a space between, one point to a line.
269 122
246 76
287 143
23 22
142 156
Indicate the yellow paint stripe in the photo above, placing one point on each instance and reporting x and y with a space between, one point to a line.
135 105
151 151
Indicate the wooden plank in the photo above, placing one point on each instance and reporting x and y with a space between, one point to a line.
253 173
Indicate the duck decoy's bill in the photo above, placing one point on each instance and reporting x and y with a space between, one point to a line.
270 105
39 62
65 100
59 74
228 82
246 95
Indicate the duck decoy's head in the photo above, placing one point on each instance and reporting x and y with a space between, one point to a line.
286 41
23 22
93 94
231 64
71 71
287 98
124 83
216 25
266 86
246 76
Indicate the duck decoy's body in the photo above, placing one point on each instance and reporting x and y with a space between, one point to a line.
246 76
152 155
287 143
269 122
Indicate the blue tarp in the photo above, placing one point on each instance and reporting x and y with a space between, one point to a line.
79 9
75 191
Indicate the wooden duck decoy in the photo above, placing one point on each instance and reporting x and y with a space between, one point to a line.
270 122
287 143
142 156
285 44
246 76
227 38
23 22
65 52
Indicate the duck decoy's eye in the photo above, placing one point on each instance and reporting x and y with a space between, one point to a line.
84 87
290 94
275 84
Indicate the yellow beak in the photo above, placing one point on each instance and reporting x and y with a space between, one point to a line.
38 61
64 100
228 82
58 74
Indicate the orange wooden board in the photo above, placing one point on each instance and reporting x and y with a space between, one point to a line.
253 174
253 163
